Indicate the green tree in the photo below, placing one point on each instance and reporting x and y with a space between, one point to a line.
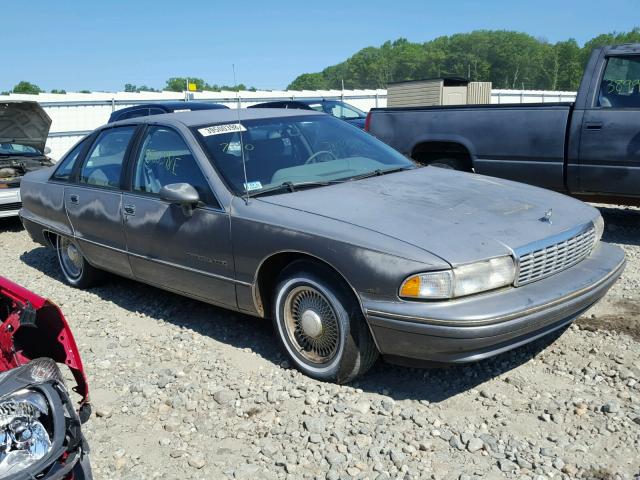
27 87
309 81
130 87
505 58
57 90
179 84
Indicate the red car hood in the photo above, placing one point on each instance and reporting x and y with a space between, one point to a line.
33 327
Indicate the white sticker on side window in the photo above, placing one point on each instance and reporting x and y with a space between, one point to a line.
220 129
252 186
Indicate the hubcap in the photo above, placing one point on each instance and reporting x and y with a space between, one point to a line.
71 258
311 324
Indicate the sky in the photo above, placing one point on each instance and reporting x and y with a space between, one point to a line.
93 45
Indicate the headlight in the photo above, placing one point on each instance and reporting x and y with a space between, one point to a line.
463 280
598 224
24 439
26 420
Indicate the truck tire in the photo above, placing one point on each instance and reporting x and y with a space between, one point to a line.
320 325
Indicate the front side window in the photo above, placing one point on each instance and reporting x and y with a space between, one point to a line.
293 150
620 86
164 158
65 166
103 164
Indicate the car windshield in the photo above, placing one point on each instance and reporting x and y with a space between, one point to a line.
309 150
17 149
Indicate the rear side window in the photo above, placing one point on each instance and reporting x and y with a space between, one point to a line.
141 112
103 164
620 87
165 158
65 166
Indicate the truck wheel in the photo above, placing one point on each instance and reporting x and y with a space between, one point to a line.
320 324
76 270
450 163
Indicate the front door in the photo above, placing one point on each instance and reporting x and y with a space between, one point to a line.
168 247
93 204
610 137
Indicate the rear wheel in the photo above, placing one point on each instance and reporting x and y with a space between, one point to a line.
76 270
320 325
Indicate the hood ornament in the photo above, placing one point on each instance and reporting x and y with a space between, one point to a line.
546 218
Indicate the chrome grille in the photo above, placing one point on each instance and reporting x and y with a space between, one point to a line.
545 261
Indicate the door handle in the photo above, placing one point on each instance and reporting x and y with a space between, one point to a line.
129 209
73 198
594 125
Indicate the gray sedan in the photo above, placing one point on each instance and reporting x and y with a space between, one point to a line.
299 217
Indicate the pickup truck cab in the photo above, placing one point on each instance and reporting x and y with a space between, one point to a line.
589 148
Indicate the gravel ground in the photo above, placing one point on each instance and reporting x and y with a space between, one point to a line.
183 390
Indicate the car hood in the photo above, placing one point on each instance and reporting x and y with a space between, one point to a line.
460 217
25 123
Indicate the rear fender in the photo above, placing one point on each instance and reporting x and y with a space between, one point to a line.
458 139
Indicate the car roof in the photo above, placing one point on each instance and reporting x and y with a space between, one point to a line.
203 117
175 105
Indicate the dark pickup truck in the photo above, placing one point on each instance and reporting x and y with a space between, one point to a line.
589 148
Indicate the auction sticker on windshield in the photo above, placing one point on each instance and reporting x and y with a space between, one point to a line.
220 129
252 186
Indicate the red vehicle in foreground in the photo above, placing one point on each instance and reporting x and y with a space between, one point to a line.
40 434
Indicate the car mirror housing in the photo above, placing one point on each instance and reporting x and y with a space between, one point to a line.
181 194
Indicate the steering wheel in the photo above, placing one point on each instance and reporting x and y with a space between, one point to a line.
312 158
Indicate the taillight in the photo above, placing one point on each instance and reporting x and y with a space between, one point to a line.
367 122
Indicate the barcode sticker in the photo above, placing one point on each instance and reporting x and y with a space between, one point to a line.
252 186
220 129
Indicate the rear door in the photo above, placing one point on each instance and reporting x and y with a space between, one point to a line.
610 137
93 204
189 254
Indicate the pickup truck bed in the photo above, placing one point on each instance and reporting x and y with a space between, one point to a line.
523 152
589 149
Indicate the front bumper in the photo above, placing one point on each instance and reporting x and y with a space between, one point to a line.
481 326
9 202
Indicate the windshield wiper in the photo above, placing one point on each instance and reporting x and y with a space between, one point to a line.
377 172
291 187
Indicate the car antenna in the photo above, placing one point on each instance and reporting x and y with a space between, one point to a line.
244 164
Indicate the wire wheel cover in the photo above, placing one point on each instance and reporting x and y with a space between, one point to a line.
71 258
311 324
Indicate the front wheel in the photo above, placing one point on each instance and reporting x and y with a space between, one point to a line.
76 270
321 326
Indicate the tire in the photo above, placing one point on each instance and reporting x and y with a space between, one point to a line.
450 164
76 271
320 325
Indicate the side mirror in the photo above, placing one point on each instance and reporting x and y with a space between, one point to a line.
181 194
47 150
